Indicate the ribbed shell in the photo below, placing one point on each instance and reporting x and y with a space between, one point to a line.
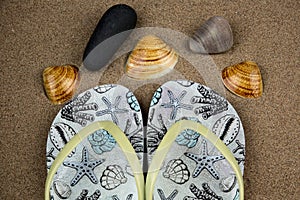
112 177
243 79
214 36
60 82
151 58
177 171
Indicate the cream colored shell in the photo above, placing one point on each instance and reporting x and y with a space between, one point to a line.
151 58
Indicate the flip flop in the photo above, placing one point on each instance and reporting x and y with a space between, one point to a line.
95 147
195 144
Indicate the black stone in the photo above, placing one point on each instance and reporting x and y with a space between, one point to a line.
110 33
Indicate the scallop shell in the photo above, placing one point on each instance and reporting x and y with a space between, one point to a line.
243 79
151 58
112 177
177 171
228 183
62 190
214 36
60 134
101 141
60 82
227 128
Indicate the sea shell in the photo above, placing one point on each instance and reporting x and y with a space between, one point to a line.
185 83
132 101
60 82
104 88
112 177
177 171
101 141
62 190
151 58
214 36
60 134
227 128
243 79
228 183
188 138
156 97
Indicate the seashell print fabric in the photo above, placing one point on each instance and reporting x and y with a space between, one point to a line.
193 167
96 168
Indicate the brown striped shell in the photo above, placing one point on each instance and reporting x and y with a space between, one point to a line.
214 36
151 58
243 79
60 82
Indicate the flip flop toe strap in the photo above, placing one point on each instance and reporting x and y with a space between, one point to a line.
168 140
120 138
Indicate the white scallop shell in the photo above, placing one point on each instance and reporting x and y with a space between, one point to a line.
177 171
112 177
227 128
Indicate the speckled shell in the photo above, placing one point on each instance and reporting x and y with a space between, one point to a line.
227 128
60 82
60 134
62 190
243 79
214 36
151 58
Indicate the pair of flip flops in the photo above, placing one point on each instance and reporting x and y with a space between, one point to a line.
194 146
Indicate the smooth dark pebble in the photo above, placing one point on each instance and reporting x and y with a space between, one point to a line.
102 46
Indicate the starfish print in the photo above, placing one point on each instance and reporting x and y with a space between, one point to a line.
204 161
170 197
205 194
112 109
85 167
175 103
